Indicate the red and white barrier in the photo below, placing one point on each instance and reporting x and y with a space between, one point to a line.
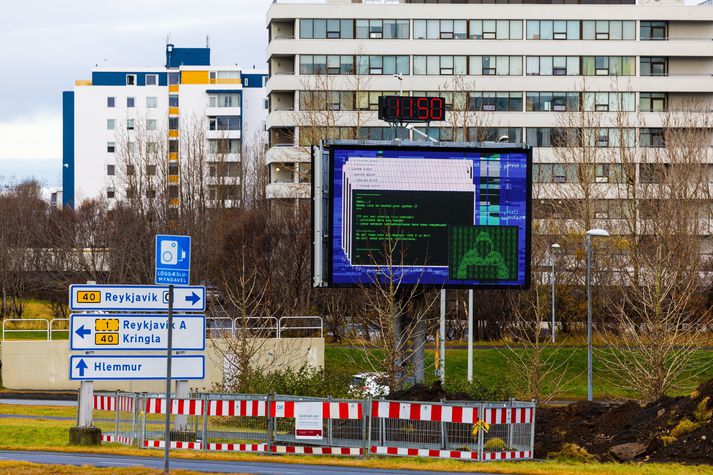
119 439
507 455
289 449
175 444
104 403
183 407
330 410
410 452
517 415
126 404
238 408
238 447
424 412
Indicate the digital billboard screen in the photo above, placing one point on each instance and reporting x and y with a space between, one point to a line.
455 216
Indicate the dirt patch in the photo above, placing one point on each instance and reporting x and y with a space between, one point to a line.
597 427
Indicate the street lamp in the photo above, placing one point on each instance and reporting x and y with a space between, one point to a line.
553 249
591 233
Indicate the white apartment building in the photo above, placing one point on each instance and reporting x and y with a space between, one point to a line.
161 112
524 62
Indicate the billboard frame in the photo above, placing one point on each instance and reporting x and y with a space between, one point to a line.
323 205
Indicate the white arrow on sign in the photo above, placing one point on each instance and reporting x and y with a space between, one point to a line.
135 332
136 298
115 367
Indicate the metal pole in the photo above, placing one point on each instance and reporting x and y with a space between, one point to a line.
589 317
553 295
470 335
442 336
166 453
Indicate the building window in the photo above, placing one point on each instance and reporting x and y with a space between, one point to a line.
151 147
609 101
172 146
110 124
609 137
130 170
174 78
654 66
223 146
224 122
608 65
224 100
152 79
554 173
110 147
495 101
654 30
111 101
495 65
652 137
110 193
173 123
150 124
129 124
130 101
151 170
323 64
131 79
553 30
382 65
553 66
440 29
151 102
653 101
552 102
266 103
321 29
110 170
223 169
131 147
495 29
440 65
608 30
551 136
173 100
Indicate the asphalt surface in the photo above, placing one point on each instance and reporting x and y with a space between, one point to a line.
208 466
39 402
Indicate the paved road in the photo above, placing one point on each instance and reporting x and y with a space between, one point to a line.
261 468
39 402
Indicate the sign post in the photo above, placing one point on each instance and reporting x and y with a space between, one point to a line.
167 450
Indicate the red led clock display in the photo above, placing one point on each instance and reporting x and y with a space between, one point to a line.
411 109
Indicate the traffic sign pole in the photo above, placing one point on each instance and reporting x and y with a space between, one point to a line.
167 450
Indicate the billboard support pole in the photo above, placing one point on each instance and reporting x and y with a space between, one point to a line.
442 337
470 335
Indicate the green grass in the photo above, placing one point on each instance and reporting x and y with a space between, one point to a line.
491 368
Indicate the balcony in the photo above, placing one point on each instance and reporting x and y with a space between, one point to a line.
288 190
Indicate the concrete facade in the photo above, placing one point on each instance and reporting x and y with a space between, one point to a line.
44 365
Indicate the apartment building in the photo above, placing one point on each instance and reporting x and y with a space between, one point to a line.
525 63
127 126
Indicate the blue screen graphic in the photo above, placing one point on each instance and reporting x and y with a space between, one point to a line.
431 216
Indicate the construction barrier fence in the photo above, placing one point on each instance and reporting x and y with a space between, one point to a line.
301 425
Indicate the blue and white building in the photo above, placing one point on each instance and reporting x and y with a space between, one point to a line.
161 111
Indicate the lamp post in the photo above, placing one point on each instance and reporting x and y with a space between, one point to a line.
553 248
591 233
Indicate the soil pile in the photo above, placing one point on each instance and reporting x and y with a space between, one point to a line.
672 429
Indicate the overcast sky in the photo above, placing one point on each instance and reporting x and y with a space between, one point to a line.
46 44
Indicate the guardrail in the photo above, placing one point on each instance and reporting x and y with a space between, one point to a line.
272 423
216 327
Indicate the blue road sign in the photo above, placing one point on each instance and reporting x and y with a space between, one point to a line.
116 331
114 367
173 259
135 298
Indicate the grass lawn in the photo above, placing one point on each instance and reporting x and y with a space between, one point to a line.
490 367
34 330
36 434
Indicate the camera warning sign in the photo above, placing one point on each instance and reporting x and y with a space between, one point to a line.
173 259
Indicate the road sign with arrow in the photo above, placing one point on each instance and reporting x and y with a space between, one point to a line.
97 367
135 332
136 298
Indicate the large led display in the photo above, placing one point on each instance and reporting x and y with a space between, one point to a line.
428 215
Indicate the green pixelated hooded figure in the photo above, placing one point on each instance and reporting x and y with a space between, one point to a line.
482 262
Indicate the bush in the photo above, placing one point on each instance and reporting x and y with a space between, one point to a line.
572 453
683 428
667 440
477 391
495 444
306 381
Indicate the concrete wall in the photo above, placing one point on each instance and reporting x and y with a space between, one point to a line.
44 365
